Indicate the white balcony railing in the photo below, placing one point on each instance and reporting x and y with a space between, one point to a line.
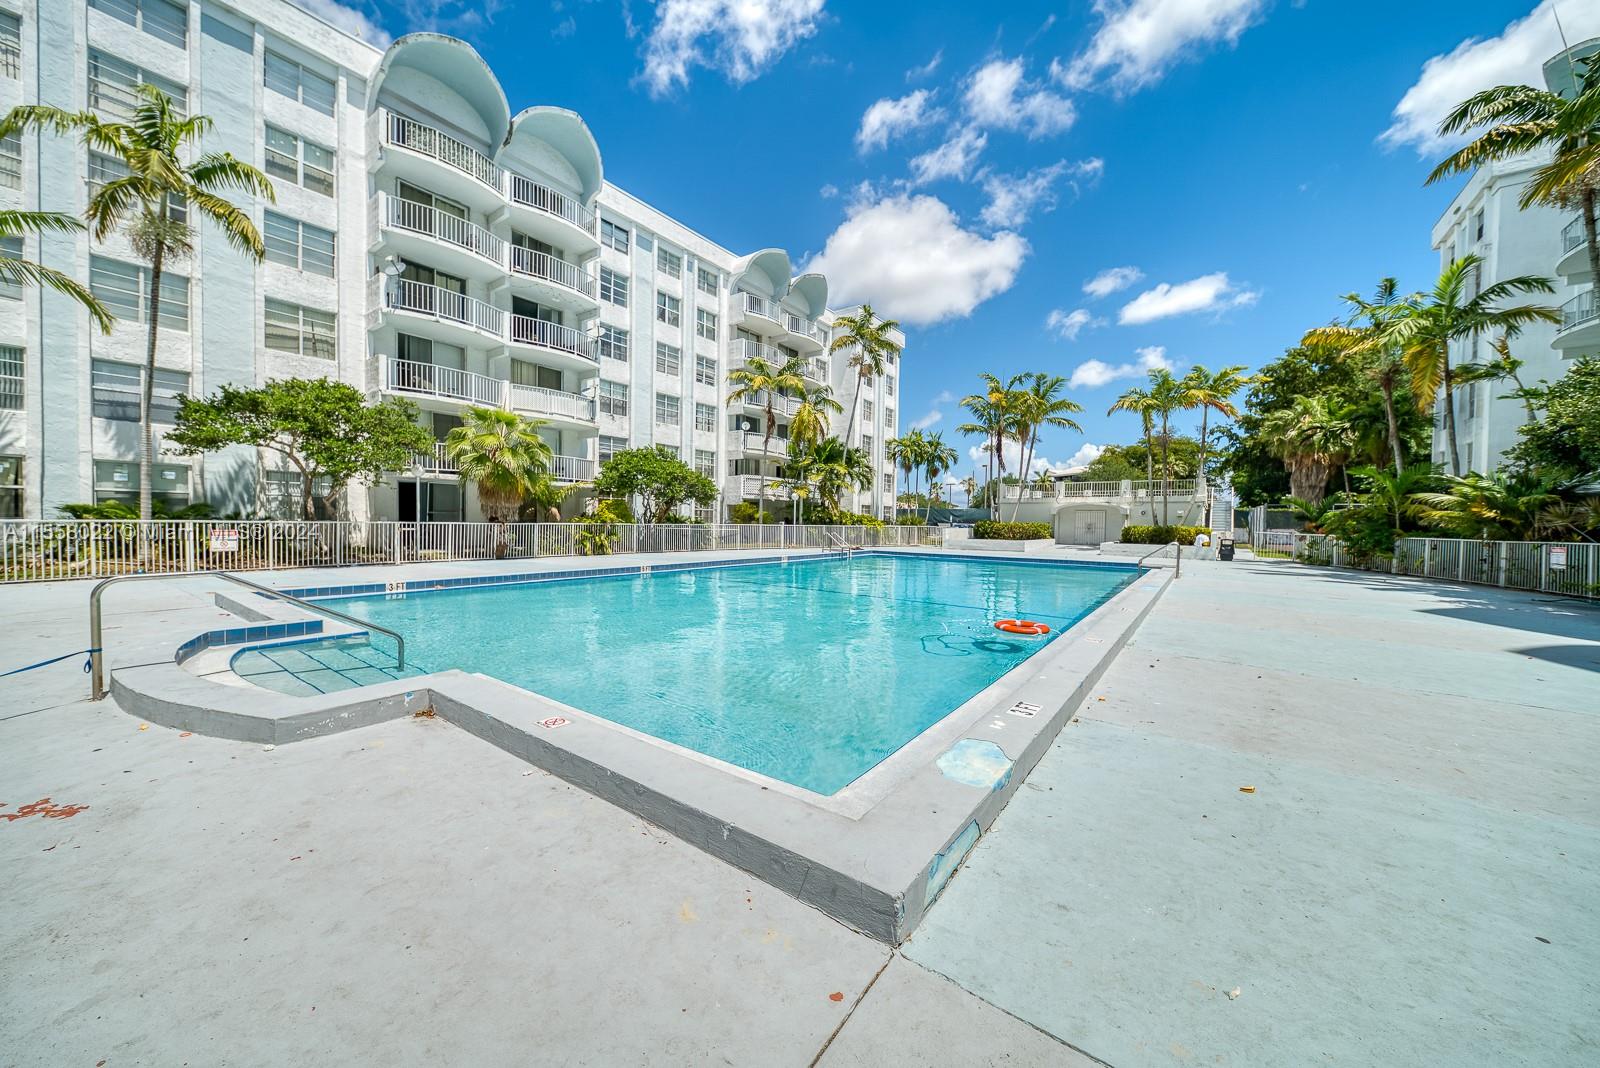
1176 489
751 304
526 330
436 144
751 441
798 324
534 264
531 194
451 383
445 305
817 368
749 486
571 468
1580 309
439 459
1572 235
538 400
431 222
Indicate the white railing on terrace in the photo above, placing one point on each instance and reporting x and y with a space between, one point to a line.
1179 488
781 405
53 550
748 487
817 368
571 468
1580 309
799 324
751 441
541 401
409 376
419 298
1572 235
438 459
743 350
431 222
436 144
526 330
754 305
534 264
531 194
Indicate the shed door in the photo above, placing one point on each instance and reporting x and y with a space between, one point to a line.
1089 526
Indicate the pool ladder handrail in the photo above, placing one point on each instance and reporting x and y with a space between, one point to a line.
844 547
1177 566
97 655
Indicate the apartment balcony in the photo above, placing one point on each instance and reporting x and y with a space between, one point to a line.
781 405
423 234
433 312
568 411
553 282
438 463
748 487
442 388
802 333
552 216
554 344
816 370
1574 262
743 350
749 443
434 160
758 315
1580 324
572 468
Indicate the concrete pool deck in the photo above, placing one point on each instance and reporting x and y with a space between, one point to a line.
402 894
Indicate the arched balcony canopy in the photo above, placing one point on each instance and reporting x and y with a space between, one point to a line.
568 135
811 291
457 65
772 267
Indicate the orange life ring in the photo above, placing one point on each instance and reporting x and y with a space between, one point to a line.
1021 626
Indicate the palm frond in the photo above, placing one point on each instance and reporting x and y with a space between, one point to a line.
26 272
38 222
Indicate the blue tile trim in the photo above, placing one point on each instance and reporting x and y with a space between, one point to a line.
234 635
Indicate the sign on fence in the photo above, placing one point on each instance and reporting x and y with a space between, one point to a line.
1558 558
224 539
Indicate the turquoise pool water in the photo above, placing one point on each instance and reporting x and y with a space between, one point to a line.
810 672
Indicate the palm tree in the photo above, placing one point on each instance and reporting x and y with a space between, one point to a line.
937 458
148 199
1365 335
502 454
871 347
1138 399
1504 366
1394 491
1520 119
546 496
1575 519
814 409
906 452
1312 514
1424 329
969 486
19 272
1309 436
759 381
994 417
1039 404
1495 506
1211 393
836 468
1167 395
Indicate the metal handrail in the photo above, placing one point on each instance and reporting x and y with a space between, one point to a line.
97 655
1177 567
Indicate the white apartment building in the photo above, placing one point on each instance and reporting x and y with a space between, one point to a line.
426 242
1484 218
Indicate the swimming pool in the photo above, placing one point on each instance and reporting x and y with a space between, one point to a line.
810 671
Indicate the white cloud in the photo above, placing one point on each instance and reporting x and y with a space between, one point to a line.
1067 325
1111 280
740 38
916 74
998 96
1014 197
349 19
888 118
1087 454
953 159
935 413
1092 374
1515 57
910 256
1209 292
1138 40
1011 451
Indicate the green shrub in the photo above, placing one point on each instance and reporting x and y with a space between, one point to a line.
996 530
613 510
1161 534
910 521
743 512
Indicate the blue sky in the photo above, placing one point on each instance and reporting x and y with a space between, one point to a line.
970 168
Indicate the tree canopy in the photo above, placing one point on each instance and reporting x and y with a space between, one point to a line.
657 478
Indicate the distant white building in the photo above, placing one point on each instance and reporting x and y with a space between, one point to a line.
1484 218
427 242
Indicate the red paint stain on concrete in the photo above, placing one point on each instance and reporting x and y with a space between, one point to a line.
43 808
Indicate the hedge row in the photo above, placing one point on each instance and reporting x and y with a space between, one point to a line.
1161 534
995 530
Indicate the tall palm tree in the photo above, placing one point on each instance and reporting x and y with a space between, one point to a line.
1137 399
760 381
155 201
969 486
1039 404
20 272
937 458
994 417
1365 336
1424 329
1519 119
1167 396
502 454
1309 437
907 452
814 410
871 348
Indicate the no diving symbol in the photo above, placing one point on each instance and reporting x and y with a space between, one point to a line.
1024 709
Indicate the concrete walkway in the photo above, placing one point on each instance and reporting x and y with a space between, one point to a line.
1411 883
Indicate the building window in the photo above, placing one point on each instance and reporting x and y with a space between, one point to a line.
297 244
610 446
866 445
706 281
1472 402
613 287
113 86
11 249
669 309
866 411
613 236
124 289
162 19
284 75
705 417
118 480
114 390
283 492
705 462
705 324
669 359
299 161
10 378
10 45
888 386
306 331
888 482
667 409
613 343
613 398
1477 226
11 161
645 241
705 370
10 487
669 263
104 168
888 419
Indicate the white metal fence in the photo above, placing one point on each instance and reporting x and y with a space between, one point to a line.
1569 568
50 550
